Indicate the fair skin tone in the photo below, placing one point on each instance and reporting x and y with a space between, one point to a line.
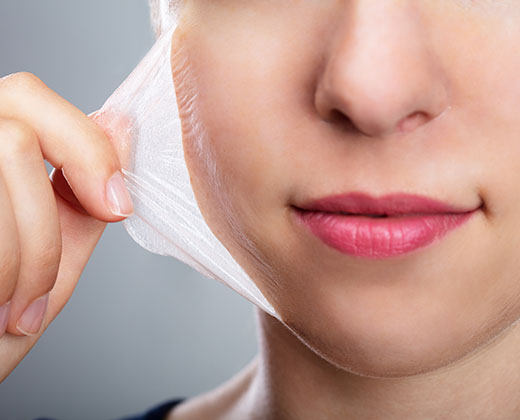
49 229
301 99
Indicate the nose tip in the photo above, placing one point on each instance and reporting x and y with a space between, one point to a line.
381 78
377 119
377 110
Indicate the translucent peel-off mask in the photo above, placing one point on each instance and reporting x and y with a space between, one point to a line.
142 117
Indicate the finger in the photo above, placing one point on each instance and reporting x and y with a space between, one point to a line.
80 233
117 126
70 141
36 216
9 255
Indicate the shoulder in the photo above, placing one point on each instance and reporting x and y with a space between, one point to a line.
159 412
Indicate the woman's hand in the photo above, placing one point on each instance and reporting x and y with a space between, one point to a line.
48 230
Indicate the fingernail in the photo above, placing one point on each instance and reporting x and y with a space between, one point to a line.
4 317
118 198
32 319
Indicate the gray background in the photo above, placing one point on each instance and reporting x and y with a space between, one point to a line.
139 328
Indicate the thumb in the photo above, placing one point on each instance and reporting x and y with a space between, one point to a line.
80 234
80 231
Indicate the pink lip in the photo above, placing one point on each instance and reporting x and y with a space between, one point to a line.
410 222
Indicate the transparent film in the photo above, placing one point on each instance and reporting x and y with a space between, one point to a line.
143 116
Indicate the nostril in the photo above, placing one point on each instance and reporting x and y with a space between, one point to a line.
339 118
412 121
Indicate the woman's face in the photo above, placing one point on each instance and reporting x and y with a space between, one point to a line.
287 101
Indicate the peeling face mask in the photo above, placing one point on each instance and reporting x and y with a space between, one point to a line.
142 117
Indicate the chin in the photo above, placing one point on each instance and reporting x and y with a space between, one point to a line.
405 345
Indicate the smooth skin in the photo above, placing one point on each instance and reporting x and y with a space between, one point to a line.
289 100
305 98
49 227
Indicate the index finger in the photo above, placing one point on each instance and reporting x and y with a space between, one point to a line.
70 141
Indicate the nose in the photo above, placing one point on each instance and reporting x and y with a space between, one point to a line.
380 74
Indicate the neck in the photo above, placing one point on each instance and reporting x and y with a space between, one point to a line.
292 382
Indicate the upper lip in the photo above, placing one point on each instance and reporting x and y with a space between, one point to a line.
390 204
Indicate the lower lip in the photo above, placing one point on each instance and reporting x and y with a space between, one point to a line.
369 237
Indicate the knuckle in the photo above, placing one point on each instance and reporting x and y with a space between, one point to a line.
10 262
18 138
47 259
21 80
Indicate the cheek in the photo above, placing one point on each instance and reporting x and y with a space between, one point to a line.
234 171
245 108
482 131
489 121
234 107
251 91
